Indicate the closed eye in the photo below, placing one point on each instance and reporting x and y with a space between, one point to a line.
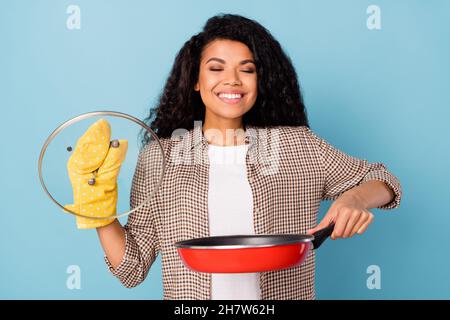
246 71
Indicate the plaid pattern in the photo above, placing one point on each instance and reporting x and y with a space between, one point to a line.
290 170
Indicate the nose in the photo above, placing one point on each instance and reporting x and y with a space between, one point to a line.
235 83
233 79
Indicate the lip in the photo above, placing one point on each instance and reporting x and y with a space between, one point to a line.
231 92
231 101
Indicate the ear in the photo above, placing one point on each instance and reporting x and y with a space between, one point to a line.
196 87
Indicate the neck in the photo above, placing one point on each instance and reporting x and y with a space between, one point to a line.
228 132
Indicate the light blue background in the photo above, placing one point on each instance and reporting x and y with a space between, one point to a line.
382 95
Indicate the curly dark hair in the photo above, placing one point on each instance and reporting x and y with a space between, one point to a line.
279 100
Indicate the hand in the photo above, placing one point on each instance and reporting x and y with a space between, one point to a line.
350 216
93 169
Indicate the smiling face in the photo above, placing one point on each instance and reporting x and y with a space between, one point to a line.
227 81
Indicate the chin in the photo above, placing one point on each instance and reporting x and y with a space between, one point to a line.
231 115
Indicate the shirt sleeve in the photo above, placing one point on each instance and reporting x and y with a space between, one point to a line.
141 239
344 172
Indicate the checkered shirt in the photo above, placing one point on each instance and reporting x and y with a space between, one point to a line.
290 171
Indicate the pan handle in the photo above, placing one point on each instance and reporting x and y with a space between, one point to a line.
321 235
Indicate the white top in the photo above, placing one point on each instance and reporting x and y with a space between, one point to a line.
230 209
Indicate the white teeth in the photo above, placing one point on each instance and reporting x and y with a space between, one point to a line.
230 96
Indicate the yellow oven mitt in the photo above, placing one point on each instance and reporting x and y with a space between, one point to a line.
93 170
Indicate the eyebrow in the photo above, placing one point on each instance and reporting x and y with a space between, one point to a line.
223 61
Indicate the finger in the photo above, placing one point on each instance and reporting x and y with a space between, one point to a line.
365 225
326 221
360 223
354 217
91 148
114 158
341 222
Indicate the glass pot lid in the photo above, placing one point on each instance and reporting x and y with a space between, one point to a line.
88 166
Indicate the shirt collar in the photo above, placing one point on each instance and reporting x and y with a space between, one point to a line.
199 141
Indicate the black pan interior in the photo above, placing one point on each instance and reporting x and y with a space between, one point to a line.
246 240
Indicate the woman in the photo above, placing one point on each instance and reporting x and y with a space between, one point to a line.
241 159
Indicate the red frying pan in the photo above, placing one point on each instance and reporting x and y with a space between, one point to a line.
249 253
